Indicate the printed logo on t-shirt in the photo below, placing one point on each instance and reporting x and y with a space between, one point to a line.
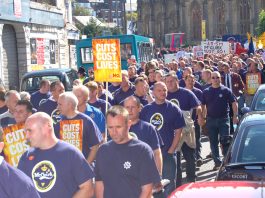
220 95
157 120
42 101
127 165
44 176
92 115
175 101
56 116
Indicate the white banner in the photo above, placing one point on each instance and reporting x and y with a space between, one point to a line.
197 51
215 47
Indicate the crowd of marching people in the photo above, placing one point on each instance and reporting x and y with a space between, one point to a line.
128 137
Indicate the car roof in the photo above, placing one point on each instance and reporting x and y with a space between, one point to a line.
261 87
54 71
254 116
220 189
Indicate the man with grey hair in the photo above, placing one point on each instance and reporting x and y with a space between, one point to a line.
82 94
77 128
11 99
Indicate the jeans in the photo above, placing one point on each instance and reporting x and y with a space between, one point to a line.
169 172
189 156
218 127
198 141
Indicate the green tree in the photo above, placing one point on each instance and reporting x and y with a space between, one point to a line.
132 16
261 24
116 31
92 29
81 11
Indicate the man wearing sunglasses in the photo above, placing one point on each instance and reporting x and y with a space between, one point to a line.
215 109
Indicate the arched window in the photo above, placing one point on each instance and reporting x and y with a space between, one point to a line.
196 20
220 13
244 7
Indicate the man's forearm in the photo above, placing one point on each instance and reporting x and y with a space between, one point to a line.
146 191
158 160
85 190
175 141
92 155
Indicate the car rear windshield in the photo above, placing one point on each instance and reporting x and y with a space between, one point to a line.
33 83
252 144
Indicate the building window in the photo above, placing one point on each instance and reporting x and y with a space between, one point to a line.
244 16
220 11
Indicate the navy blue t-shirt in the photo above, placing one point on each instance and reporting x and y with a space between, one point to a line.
217 101
124 168
56 172
120 95
38 98
113 88
146 133
15 184
3 109
166 117
143 99
49 106
183 84
90 136
101 105
183 98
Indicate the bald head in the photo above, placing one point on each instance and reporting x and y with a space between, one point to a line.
40 118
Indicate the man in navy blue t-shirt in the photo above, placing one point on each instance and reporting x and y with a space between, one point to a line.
77 128
215 107
38 97
187 101
143 130
169 121
14 183
56 168
125 166
49 106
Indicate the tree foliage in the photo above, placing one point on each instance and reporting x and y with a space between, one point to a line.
132 16
261 24
81 11
92 29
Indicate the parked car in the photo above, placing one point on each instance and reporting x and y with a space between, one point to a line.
220 189
258 101
31 81
245 159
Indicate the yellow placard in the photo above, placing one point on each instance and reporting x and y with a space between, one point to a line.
107 60
253 82
71 131
203 30
14 138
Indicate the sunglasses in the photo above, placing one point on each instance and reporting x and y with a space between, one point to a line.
217 77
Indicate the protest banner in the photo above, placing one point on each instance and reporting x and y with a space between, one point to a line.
215 47
14 138
197 51
71 131
107 60
170 57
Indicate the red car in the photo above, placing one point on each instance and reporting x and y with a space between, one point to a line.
220 189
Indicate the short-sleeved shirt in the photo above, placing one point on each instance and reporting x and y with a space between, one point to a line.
146 133
49 106
97 116
120 95
81 131
101 105
56 172
14 183
183 98
125 168
38 98
166 118
6 119
143 99
183 84
217 101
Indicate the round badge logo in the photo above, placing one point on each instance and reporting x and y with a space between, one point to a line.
175 101
56 116
157 120
44 176
220 95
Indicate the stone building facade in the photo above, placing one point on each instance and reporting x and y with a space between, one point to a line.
159 17
33 35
